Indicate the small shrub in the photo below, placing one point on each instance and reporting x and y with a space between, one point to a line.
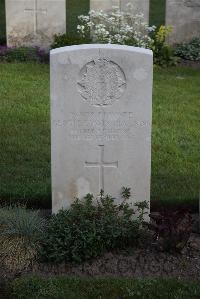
62 40
163 53
172 229
21 231
189 51
87 230
23 54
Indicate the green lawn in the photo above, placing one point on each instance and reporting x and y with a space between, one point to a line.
24 131
25 135
75 288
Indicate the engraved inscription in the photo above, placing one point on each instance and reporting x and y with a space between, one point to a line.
102 126
192 3
101 164
102 82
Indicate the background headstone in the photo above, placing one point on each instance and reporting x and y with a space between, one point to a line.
34 22
139 6
184 17
101 106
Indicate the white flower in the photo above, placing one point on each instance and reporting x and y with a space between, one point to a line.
116 27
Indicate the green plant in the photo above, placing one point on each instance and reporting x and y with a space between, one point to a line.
62 40
87 229
116 27
163 53
189 51
21 231
23 54
172 229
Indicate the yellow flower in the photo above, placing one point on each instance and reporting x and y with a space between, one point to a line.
162 33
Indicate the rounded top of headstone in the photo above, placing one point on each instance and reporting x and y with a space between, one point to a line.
101 46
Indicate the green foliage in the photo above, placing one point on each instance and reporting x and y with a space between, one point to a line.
23 54
62 40
21 231
163 54
189 51
126 192
172 229
87 230
17 221
76 288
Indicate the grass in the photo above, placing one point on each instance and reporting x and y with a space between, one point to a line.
25 135
176 135
75 288
24 131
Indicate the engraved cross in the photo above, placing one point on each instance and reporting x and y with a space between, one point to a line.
101 165
35 12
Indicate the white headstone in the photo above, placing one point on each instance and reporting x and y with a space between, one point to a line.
34 22
101 105
139 6
184 17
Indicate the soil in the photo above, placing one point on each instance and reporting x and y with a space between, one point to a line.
143 262
190 63
139 263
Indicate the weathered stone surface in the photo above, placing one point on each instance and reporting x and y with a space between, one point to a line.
139 6
105 5
34 22
184 17
101 98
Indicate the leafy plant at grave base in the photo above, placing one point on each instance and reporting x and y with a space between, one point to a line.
62 40
189 51
23 54
21 231
163 53
87 230
172 229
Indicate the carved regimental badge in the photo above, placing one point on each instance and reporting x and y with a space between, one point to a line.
102 82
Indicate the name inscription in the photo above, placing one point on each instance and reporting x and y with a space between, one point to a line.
102 126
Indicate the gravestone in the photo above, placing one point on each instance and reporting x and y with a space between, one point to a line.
101 105
139 6
34 22
184 17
